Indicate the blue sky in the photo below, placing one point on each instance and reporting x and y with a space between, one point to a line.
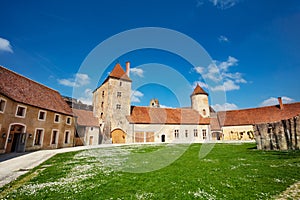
253 44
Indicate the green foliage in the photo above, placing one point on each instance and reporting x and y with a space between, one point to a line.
229 171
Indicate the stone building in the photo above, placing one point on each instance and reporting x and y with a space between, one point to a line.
111 102
239 124
87 128
32 116
123 123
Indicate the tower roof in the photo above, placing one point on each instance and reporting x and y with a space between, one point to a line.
199 90
119 73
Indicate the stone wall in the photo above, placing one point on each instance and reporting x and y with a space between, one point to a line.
282 135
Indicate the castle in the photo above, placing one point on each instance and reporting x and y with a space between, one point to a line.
122 123
33 117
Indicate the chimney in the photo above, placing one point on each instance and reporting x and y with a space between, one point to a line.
280 103
127 68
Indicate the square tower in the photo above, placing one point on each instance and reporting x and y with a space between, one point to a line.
111 102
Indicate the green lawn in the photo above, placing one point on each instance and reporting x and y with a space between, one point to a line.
229 171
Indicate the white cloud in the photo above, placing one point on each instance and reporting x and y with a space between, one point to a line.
213 73
164 106
220 71
228 85
274 101
88 96
231 61
137 71
199 69
5 45
136 96
225 106
223 38
224 4
77 81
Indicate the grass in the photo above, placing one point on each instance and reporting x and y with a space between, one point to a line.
229 171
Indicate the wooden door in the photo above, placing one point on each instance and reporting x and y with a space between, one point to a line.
118 136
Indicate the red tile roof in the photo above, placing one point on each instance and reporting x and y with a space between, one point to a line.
199 90
150 115
214 124
259 115
26 91
119 73
85 118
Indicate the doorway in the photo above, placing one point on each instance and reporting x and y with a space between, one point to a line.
118 136
163 138
16 139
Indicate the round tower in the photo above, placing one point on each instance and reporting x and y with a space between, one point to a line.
199 101
154 103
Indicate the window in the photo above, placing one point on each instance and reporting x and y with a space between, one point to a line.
56 118
42 115
195 133
101 115
118 106
54 136
69 120
102 103
204 112
186 133
102 93
176 133
2 105
121 83
38 136
21 111
92 128
67 137
118 94
204 134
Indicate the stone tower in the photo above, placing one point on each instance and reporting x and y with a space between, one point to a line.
199 101
154 103
111 102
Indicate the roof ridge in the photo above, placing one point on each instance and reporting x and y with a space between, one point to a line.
257 107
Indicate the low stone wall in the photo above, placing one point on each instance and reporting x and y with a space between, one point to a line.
282 135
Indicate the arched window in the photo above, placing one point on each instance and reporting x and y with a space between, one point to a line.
204 112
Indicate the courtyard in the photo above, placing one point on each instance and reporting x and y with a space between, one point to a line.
168 171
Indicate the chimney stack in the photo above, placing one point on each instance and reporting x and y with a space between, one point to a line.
280 103
127 68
